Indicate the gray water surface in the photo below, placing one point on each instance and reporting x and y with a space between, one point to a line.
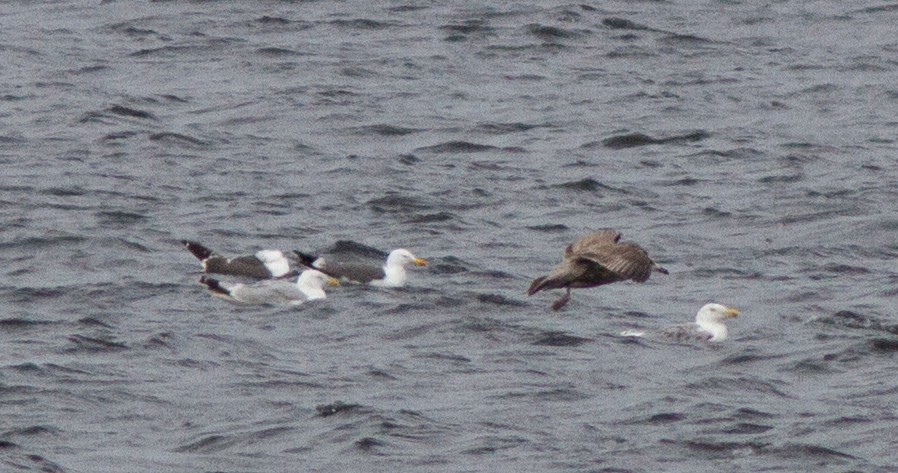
750 147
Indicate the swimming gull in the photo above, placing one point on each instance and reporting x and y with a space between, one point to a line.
391 274
709 326
309 286
263 264
595 260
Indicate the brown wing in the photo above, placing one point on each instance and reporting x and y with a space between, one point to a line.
628 260
592 241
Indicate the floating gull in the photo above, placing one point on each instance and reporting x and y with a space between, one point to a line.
391 274
595 260
308 286
709 326
262 265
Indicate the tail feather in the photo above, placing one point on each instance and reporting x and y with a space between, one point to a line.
214 286
305 259
200 251
544 282
660 269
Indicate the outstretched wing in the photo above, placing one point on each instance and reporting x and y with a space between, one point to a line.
628 261
592 241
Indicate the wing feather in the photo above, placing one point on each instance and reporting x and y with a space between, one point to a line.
362 273
686 333
592 241
273 291
629 261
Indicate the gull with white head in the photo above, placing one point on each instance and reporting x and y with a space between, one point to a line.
391 274
709 325
309 286
263 264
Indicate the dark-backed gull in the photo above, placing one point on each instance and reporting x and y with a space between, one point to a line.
263 264
308 286
595 260
391 274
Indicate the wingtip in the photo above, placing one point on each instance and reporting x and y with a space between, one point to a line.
213 285
305 259
199 251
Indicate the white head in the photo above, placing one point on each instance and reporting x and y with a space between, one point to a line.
403 257
394 269
311 282
275 261
711 318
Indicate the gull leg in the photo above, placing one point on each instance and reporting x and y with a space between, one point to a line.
563 301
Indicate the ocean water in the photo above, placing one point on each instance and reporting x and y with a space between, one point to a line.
749 147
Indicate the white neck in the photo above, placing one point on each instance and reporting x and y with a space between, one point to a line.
394 276
305 283
717 329
313 293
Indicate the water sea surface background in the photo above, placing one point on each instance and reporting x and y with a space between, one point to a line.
749 146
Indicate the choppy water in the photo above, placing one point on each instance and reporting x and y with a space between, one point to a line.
750 146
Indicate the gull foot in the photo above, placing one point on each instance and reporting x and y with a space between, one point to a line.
563 301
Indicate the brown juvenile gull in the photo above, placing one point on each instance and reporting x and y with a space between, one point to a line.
308 286
595 260
391 274
263 264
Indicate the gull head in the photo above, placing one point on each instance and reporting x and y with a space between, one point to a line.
403 257
312 278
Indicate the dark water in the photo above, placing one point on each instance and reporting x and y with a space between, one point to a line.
750 146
